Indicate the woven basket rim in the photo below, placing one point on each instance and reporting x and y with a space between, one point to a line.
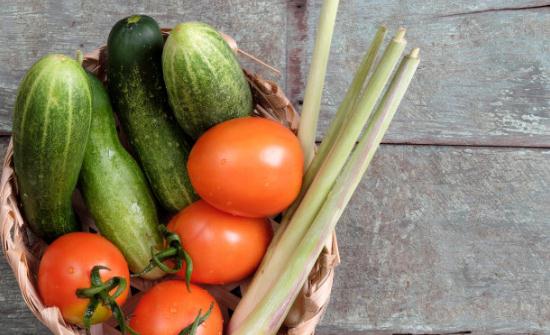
22 250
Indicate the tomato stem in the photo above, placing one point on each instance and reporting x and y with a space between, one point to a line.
98 292
173 251
192 328
79 57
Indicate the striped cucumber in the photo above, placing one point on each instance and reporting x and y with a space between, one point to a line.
115 190
50 130
205 83
139 97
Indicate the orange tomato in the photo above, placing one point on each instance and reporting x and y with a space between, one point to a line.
224 248
248 166
169 307
66 266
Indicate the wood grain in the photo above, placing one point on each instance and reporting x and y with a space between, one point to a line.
446 239
437 239
483 79
15 317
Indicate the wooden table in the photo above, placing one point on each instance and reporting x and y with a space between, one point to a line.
450 230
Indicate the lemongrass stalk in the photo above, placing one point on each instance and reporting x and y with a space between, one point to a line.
344 110
348 103
316 79
279 252
272 309
328 171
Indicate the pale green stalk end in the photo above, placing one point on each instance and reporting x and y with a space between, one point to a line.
350 130
350 100
344 111
316 79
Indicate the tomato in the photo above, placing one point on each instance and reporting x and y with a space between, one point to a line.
248 166
224 248
169 307
66 266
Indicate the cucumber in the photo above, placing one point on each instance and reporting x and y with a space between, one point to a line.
139 97
116 191
50 130
205 83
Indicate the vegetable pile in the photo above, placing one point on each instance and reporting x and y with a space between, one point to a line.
190 155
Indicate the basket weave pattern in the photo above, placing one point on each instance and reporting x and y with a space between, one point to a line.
23 250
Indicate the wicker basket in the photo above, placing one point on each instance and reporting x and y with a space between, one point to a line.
23 250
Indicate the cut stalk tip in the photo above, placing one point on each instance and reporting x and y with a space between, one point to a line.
414 53
400 36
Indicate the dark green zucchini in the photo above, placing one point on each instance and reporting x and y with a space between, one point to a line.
51 123
136 87
116 191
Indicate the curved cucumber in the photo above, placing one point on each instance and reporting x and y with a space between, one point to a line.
50 130
205 83
137 91
115 190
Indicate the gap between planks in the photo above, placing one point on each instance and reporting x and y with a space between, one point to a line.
4 134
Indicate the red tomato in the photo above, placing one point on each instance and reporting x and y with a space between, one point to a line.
169 307
66 266
224 248
249 166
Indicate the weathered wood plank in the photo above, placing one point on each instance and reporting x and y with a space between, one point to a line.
437 239
483 78
33 28
446 239
15 317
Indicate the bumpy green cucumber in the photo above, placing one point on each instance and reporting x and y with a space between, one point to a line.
139 97
116 191
50 130
205 83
